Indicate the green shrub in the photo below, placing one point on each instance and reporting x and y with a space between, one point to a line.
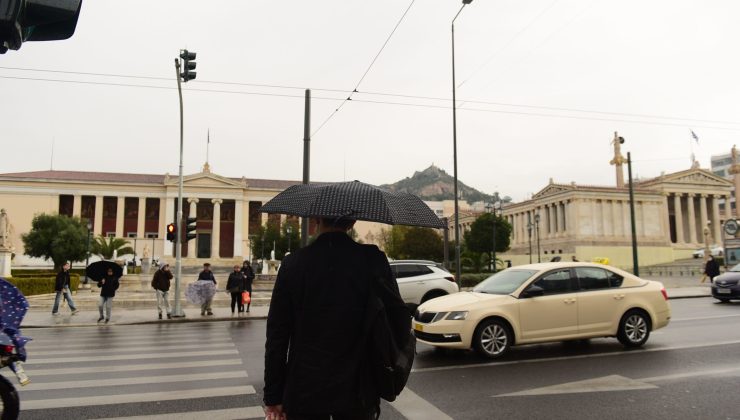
472 279
43 272
30 286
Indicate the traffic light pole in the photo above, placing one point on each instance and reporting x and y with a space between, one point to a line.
178 312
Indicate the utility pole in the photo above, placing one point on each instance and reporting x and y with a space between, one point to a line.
306 160
635 264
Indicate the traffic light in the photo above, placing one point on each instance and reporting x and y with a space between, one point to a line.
171 232
36 20
190 227
188 65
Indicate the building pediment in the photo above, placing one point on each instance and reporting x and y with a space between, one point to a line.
694 177
552 189
207 180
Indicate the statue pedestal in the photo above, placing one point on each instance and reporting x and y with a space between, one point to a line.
146 265
272 266
5 257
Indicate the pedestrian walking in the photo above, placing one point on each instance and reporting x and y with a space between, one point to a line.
316 357
711 270
207 275
161 286
108 286
235 286
61 287
248 280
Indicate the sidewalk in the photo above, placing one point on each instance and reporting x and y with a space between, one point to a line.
124 313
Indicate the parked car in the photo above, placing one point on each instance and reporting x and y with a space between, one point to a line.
715 250
545 302
420 280
727 286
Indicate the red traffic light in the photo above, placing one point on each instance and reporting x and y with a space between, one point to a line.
171 232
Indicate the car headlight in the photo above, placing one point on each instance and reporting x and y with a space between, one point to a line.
457 315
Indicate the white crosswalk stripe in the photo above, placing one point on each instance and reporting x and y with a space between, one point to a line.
74 371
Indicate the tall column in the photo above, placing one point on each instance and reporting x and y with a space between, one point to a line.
703 213
216 233
692 219
678 216
120 209
238 210
169 205
666 225
550 221
626 220
616 222
558 218
715 219
140 218
728 207
193 211
98 225
77 205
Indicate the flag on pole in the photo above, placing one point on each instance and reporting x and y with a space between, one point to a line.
694 136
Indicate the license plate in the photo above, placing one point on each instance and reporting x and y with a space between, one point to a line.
724 291
418 327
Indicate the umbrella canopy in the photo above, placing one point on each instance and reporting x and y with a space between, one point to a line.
353 200
99 269
200 291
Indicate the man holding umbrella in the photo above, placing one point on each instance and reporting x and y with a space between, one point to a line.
317 362
108 286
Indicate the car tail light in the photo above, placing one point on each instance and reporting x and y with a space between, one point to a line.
665 294
450 278
8 349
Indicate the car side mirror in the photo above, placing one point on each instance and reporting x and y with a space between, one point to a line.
533 291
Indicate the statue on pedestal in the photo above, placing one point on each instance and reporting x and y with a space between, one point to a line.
145 253
4 231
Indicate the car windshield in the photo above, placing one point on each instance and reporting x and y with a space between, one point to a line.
735 268
504 282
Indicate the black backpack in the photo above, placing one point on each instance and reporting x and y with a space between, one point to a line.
390 354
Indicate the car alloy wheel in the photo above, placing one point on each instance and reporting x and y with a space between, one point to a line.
634 329
492 339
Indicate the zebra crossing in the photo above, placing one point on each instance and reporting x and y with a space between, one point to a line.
168 371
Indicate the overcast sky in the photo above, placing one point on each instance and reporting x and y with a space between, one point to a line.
675 59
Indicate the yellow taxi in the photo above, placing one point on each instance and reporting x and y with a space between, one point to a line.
545 302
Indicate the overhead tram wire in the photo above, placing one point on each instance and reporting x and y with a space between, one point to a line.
417 105
373 93
509 42
357 85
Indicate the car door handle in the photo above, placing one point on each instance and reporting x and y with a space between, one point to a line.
618 297
569 301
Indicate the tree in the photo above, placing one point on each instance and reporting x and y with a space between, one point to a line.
480 237
57 238
405 242
106 247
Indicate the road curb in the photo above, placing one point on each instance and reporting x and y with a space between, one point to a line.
149 322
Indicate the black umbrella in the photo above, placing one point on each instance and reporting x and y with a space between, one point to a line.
353 200
99 269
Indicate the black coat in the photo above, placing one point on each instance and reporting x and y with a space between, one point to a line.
315 350
248 278
207 275
61 280
161 280
235 281
109 288
712 268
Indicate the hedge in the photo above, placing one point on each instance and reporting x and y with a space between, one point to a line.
472 279
43 272
41 285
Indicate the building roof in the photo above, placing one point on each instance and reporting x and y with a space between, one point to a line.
117 177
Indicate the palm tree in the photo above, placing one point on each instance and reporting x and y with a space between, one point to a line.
105 247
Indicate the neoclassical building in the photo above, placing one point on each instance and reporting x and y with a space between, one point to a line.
671 212
139 206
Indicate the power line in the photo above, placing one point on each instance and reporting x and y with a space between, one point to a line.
357 85
387 94
429 106
509 42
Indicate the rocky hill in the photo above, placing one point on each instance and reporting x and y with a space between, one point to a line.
434 184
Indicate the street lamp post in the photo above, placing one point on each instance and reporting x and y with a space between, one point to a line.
489 210
537 233
530 226
454 147
635 263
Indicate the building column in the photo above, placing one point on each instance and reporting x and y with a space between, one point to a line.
703 213
169 206
626 219
715 219
216 232
238 220
550 228
666 217
728 207
77 205
678 216
192 212
141 218
120 208
558 222
98 225
692 219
